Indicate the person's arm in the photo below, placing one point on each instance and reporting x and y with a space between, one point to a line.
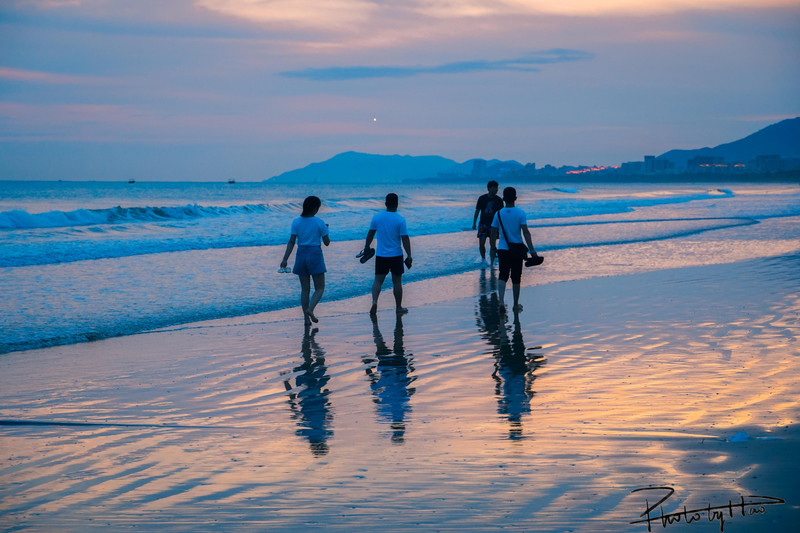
370 236
289 248
407 245
527 235
495 228
326 238
479 205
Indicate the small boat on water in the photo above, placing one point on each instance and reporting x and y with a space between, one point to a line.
131 181
231 181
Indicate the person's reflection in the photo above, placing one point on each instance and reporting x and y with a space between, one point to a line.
390 379
488 315
487 284
308 398
514 366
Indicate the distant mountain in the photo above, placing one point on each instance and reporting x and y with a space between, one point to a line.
355 167
781 138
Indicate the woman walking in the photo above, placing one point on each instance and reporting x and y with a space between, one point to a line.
307 232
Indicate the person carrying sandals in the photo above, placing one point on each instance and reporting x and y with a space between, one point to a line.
510 226
390 229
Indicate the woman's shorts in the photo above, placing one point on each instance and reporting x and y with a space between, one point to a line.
509 265
309 261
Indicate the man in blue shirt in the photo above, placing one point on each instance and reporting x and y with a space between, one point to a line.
390 229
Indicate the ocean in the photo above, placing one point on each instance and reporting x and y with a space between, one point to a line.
82 261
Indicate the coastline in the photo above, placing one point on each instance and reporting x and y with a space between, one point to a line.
83 284
607 384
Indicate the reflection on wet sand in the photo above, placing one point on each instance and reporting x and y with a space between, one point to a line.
308 398
390 379
514 364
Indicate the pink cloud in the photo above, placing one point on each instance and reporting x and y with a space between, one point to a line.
35 76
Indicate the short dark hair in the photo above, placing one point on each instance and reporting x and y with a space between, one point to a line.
509 194
491 184
310 206
392 200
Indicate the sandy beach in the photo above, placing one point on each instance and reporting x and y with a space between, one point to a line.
669 364
179 179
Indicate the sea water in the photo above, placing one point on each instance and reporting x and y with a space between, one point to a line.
89 260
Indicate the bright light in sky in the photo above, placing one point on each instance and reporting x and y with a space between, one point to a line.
195 89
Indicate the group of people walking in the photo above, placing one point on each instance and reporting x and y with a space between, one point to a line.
501 222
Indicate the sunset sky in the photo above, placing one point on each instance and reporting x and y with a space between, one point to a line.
246 89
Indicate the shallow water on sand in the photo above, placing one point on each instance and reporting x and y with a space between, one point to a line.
450 418
88 261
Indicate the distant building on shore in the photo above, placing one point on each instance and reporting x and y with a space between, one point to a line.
774 163
649 168
650 165
655 165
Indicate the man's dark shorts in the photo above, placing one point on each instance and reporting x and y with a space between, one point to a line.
384 265
509 264
484 230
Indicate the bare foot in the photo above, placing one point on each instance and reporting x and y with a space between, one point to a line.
502 309
311 316
402 310
518 308
374 309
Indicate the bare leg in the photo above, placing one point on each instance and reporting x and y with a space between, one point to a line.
397 287
482 247
376 291
515 288
319 288
501 294
305 290
492 250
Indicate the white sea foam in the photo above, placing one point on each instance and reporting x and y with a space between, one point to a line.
72 274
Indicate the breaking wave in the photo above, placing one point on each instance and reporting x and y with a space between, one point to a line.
19 219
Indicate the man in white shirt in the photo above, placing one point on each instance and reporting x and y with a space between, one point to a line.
509 226
390 229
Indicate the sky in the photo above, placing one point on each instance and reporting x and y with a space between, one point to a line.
210 90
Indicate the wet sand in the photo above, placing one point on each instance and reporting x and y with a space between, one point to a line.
452 418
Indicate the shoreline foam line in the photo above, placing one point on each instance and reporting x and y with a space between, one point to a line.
56 253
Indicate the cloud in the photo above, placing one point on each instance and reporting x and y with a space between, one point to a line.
35 76
321 14
49 4
524 64
350 15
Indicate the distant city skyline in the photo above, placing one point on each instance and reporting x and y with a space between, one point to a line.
209 90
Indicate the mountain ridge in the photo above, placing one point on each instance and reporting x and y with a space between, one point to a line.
357 167
781 139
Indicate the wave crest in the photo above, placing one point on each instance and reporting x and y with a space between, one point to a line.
19 219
